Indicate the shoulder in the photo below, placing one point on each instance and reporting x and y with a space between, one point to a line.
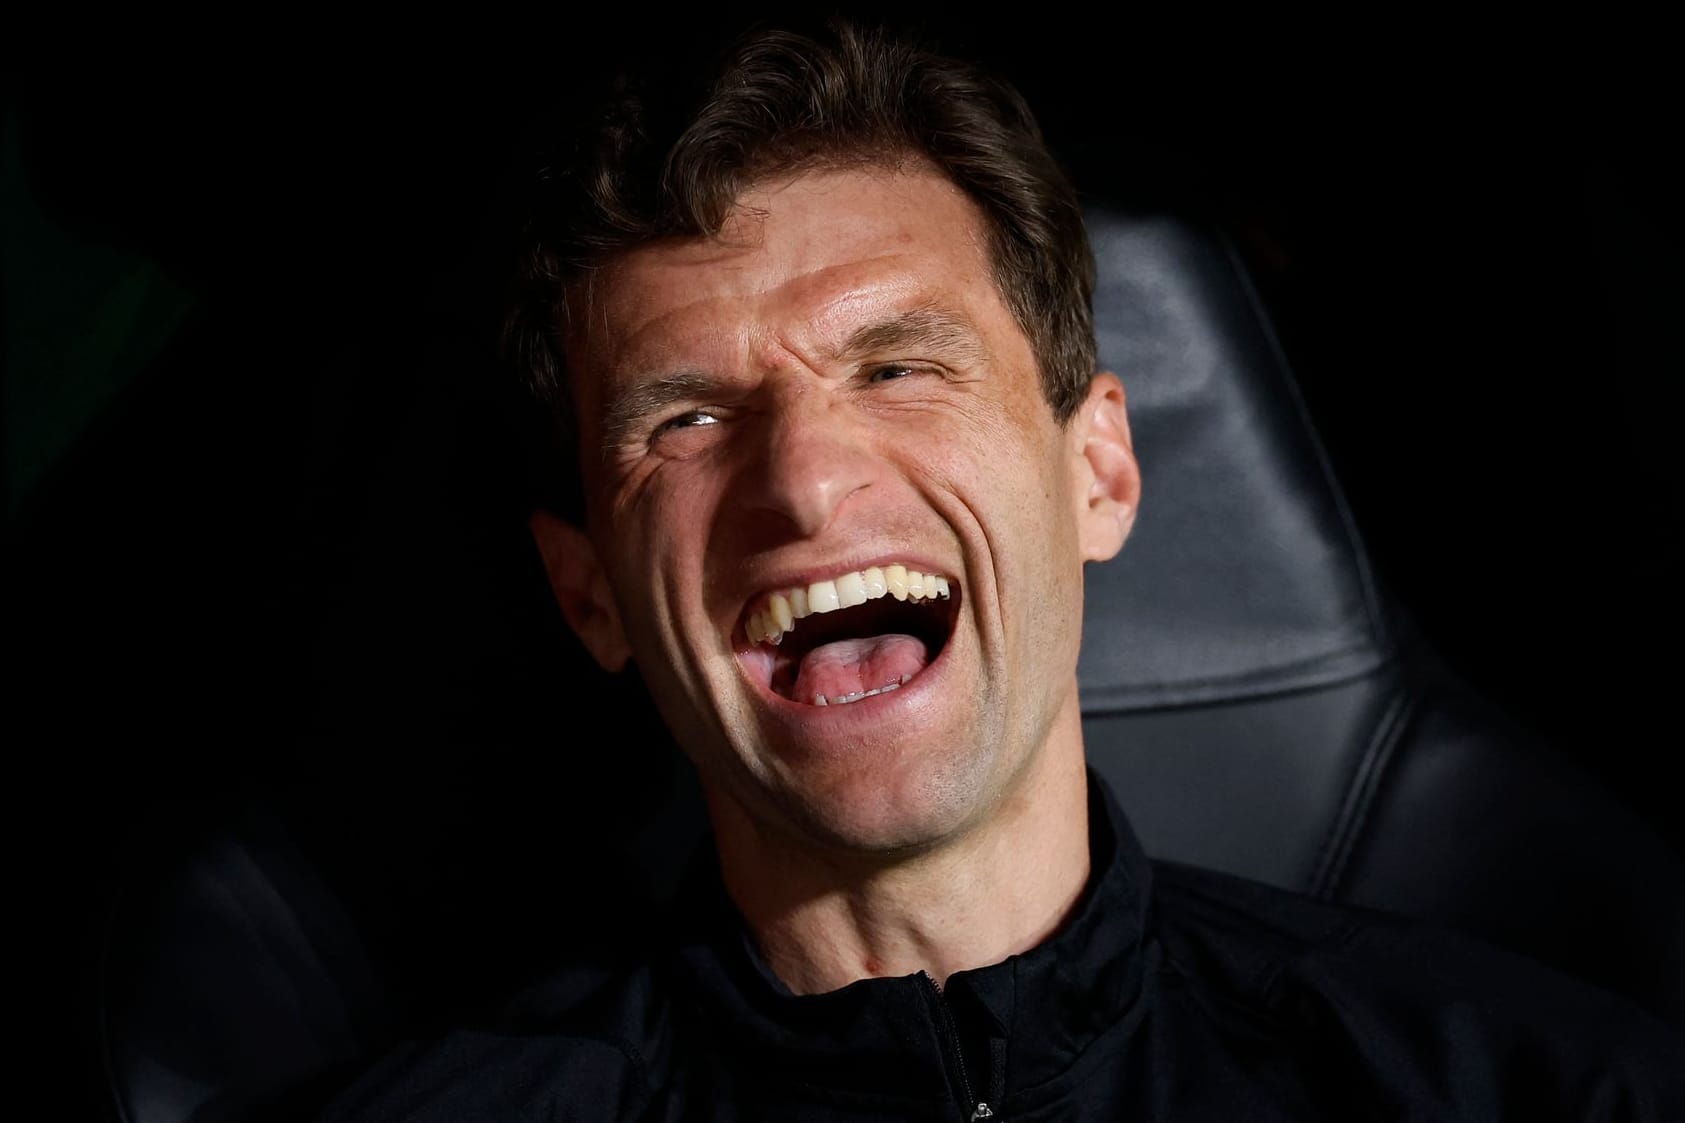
1430 1014
576 1046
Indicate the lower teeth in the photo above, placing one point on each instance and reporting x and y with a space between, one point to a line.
821 700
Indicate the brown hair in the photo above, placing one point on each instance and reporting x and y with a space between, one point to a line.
670 159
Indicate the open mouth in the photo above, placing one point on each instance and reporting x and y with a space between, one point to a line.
852 637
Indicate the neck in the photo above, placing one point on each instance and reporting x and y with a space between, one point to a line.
823 921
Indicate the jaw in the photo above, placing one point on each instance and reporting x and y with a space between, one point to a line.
896 772
884 772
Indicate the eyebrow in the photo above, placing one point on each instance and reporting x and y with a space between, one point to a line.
929 327
630 406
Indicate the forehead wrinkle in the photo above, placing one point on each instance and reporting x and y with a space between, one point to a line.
802 306
673 356
884 303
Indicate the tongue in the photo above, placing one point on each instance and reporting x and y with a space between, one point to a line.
854 666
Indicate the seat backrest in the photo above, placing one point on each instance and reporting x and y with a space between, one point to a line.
1259 704
235 979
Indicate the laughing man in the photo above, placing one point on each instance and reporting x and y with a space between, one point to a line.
822 344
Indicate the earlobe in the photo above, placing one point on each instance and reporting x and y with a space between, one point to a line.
581 589
1109 479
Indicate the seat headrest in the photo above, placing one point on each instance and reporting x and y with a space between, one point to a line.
1244 574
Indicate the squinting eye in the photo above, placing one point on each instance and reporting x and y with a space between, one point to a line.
889 373
686 420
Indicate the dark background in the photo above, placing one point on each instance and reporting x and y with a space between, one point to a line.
261 501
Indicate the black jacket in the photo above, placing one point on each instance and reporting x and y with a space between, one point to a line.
1172 994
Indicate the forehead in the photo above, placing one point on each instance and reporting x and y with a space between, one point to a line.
809 256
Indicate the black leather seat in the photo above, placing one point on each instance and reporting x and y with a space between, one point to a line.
237 979
1256 704
1261 707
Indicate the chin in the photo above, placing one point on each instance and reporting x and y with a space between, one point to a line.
890 804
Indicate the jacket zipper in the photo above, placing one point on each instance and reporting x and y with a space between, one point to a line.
951 1040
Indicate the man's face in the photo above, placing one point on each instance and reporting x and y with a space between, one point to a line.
782 420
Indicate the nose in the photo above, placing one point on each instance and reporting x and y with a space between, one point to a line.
811 456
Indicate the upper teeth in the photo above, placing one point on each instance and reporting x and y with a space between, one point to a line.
782 609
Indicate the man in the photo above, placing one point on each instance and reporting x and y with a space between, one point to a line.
822 340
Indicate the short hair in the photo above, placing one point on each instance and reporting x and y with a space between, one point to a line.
670 158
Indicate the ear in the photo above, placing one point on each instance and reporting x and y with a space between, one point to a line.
1108 479
581 589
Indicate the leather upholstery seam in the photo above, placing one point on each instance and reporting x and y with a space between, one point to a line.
1359 555
296 938
1328 880
1289 678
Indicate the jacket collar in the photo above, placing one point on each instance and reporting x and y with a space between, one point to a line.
884 1037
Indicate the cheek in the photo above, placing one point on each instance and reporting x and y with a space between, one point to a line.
650 547
1017 483
666 522
1007 464
656 504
